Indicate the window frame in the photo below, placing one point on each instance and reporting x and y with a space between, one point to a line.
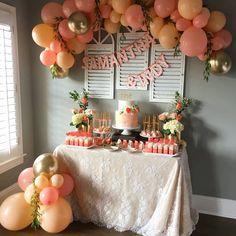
12 162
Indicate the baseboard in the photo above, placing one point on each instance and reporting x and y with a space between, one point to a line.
9 191
215 206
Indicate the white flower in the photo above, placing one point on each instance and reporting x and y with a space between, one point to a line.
174 126
77 118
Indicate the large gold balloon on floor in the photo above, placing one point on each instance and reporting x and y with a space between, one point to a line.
220 63
78 23
45 164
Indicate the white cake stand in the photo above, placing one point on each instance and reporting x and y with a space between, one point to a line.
126 130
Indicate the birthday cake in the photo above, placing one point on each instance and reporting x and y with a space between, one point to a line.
126 117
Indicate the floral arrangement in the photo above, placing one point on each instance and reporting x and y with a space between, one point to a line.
130 109
81 117
171 120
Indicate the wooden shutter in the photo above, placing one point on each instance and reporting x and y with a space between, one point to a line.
135 65
100 83
163 88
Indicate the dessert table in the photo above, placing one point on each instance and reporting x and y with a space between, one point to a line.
144 193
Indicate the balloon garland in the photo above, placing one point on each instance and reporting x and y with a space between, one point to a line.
42 201
184 25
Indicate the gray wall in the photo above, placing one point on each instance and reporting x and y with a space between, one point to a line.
24 38
210 128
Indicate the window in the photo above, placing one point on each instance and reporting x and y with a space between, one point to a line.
10 113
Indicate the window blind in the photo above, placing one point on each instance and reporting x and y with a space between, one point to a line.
10 125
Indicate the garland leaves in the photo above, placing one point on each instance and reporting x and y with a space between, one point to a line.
35 208
97 23
207 66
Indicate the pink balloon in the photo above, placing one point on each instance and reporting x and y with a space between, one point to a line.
69 7
200 21
26 178
85 38
134 16
67 186
49 195
48 57
85 6
202 57
105 10
193 41
50 11
55 46
175 15
64 30
217 43
226 36
183 24
164 8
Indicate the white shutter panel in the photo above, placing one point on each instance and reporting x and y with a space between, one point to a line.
100 83
163 88
10 126
135 65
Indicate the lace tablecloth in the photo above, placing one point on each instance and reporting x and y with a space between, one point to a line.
150 195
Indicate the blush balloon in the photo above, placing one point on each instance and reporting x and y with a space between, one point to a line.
85 6
69 7
201 20
183 24
55 46
164 8
105 10
226 36
85 38
48 57
217 43
50 12
48 195
64 30
134 16
67 186
25 178
175 15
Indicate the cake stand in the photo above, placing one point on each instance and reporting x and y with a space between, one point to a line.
126 130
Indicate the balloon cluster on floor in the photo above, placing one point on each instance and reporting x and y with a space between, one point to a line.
184 25
42 203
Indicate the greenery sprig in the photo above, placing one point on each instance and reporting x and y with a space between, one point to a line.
97 23
55 70
34 203
81 98
207 66
177 49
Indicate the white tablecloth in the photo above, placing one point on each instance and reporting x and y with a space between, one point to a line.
150 195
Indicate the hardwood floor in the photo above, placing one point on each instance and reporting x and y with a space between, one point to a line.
207 226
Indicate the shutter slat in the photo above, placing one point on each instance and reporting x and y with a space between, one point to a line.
134 66
163 88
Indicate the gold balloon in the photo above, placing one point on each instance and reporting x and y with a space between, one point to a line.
220 63
46 164
78 23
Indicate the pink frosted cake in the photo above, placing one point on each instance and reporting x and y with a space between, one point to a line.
127 114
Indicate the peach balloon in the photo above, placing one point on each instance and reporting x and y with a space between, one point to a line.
216 21
120 6
43 35
64 30
155 26
41 182
182 24
85 38
15 212
193 41
134 16
69 7
105 10
175 15
188 9
47 57
85 6
123 21
75 46
226 36
50 12
168 36
57 217
29 193
65 60
55 46
164 8
115 17
111 27
57 180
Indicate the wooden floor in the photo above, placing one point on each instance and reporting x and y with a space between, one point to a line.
207 226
